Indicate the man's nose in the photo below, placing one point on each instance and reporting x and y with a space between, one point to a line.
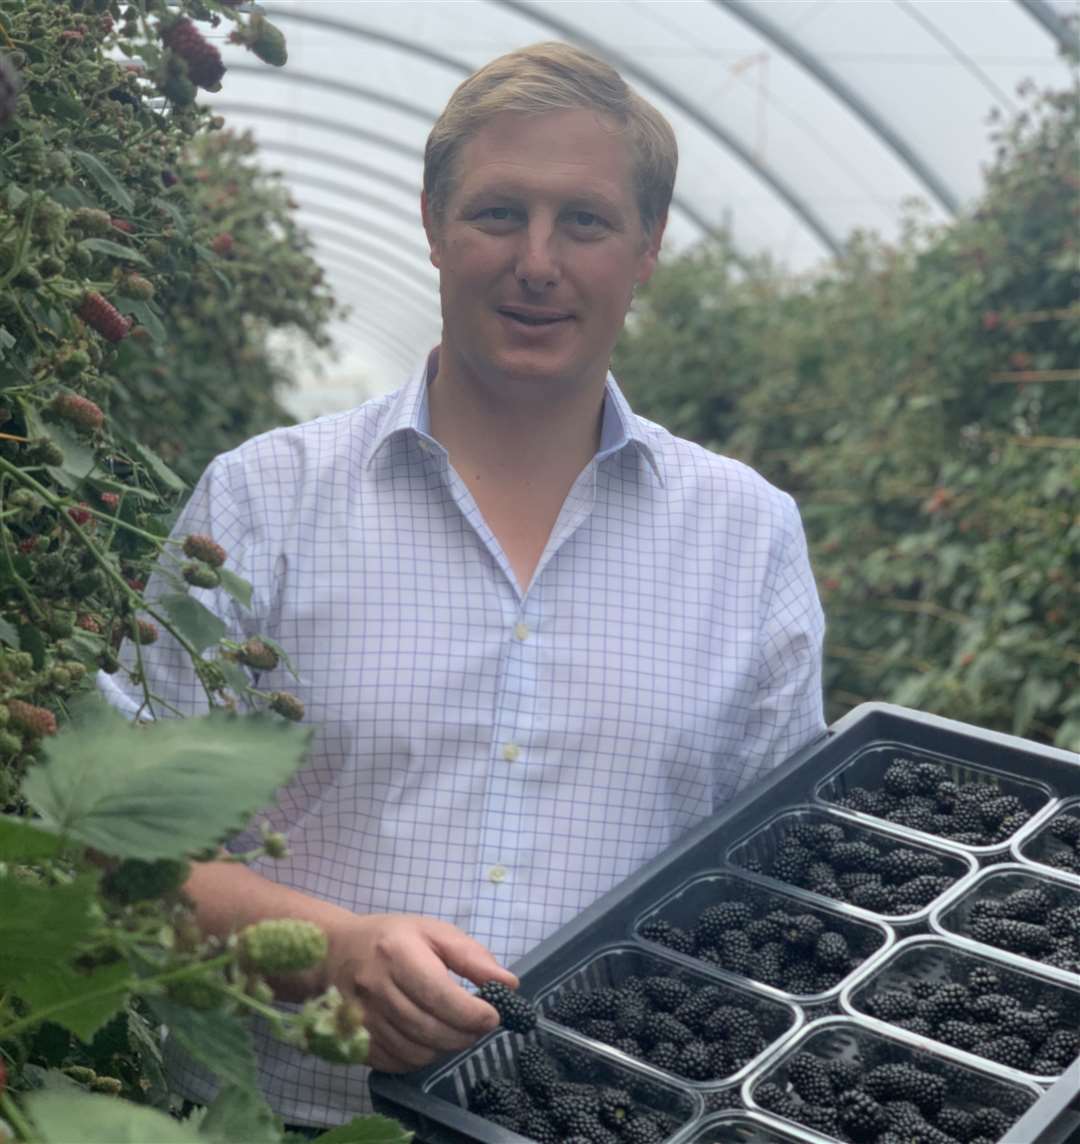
538 261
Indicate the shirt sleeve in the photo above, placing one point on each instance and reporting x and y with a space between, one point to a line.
787 711
215 510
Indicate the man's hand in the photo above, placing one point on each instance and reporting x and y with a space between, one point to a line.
396 966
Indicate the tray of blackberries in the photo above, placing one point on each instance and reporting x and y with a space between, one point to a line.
877 942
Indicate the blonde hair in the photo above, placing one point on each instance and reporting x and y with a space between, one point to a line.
553 76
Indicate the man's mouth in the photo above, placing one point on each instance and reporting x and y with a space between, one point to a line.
528 318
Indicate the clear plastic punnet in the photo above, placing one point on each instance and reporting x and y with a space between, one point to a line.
1039 845
867 768
926 961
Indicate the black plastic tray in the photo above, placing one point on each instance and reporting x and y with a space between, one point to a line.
414 1099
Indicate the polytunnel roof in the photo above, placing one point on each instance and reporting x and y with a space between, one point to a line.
798 121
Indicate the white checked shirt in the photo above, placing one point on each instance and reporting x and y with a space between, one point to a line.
493 758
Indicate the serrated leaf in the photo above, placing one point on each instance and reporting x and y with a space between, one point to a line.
21 841
367 1130
165 790
194 621
105 180
88 999
235 676
236 586
114 250
79 461
146 316
281 655
43 923
214 1039
64 1118
239 1113
9 633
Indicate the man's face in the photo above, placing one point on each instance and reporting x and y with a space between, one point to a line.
540 249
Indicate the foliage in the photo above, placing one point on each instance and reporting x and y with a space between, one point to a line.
143 257
922 403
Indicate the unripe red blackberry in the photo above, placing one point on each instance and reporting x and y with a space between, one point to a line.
201 547
101 315
31 720
80 411
258 655
203 60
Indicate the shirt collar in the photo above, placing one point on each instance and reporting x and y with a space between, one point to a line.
409 415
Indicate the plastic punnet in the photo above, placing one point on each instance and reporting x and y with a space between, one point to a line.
762 843
611 966
935 959
867 767
865 935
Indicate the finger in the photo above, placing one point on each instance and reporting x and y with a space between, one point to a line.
424 981
469 958
423 1028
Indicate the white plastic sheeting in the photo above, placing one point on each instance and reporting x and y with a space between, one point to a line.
798 121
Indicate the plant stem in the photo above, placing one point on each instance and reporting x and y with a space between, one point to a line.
13 1115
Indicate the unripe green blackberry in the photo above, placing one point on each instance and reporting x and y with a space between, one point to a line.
200 575
286 705
281 945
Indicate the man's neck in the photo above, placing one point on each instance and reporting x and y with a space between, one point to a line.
520 432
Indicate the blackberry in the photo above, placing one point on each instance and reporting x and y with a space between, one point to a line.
809 1078
600 1029
1062 1046
695 1061
819 873
891 1004
736 952
962 1034
664 1027
801 977
924 889
915 814
832 951
849 856
872 897
1020 937
859 799
827 890
537 1073
604 1003
992 1122
790 863
1012 1051
821 1117
615 1107
842 1073
994 812
860 1115
992 1007
1066 828
571 1009
985 908
721 1062
697 1007
929 776
769 964
901 777
643 1130
775 1099
666 993
949 1002
957 1122
538 1127
664 1055
1031 905
1026 1023
629 1045
945 795
803 930
826 837
630 1017
663 933
920 1026
903 864
924 990
728 1021
743 1046
571 1103
762 930
515 1013
982 979
1011 825
717 920
848 881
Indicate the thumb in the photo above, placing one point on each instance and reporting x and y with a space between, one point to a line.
468 958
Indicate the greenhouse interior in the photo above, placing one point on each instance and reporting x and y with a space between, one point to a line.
540 571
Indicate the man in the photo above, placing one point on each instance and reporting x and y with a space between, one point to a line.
540 637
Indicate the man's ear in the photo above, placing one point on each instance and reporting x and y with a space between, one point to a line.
651 252
430 229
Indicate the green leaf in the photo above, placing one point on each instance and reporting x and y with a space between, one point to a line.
89 999
31 640
144 1042
8 633
114 250
21 841
236 586
145 314
106 181
239 1113
85 1118
217 1040
86 646
43 924
194 621
157 466
367 1130
235 676
281 655
6 342
79 461
165 790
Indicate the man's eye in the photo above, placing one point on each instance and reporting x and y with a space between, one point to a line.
498 214
586 219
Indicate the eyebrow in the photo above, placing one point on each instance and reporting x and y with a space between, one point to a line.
583 200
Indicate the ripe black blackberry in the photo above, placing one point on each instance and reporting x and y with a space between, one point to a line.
920 1026
1066 828
539 1127
666 993
603 1003
842 1073
615 1107
950 1002
696 1008
515 1013
643 1130
820 1117
630 1016
664 1055
714 921
571 1009
982 979
1061 1046
991 1007
992 1122
962 1034
826 837
1029 905
880 899
572 1103
775 1099
854 856
600 1029
665 1027
727 1021
736 952
1012 1051
859 799
860 1115
629 1045
695 1061
1020 937
769 964
803 930
832 951
852 878
924 889
664 933
496 1096
902 864
536 1071
901 777
945 795
761 930
819 873
801 977
790 862
1026 1023
957 1122
809 1078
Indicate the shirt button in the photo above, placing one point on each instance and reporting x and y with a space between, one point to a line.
497 874
521 632
511 752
